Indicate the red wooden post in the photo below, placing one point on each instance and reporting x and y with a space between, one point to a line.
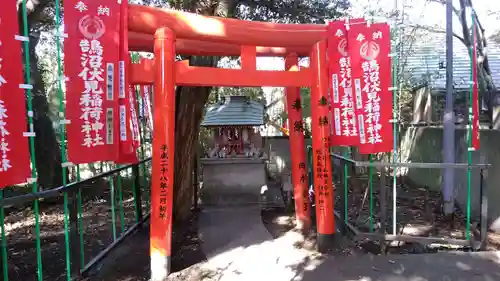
323 184
163 155
249 57
297 150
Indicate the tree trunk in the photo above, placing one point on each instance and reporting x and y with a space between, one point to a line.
486 84
190 104
47 150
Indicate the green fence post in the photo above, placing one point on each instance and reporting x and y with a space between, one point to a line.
469 131
370 183
74 231
137 194
5 265
29 101
80 219
395 142
112 198
346 187
120 201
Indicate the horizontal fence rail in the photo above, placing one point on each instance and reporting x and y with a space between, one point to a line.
345 164
123 219
70 187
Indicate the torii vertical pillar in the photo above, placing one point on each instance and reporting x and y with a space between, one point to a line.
163 155
297 150
323 181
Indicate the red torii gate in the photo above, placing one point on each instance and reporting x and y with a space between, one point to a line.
167 33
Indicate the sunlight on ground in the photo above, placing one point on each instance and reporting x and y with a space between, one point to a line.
29 223
283 220
275 259
54 220
417 230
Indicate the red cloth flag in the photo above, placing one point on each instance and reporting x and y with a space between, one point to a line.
91 60
125 94
147 106
14 148
134 124
343 116
369 47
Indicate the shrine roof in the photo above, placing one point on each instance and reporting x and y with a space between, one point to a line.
234 111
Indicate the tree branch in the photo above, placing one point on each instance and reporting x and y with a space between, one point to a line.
443 2
436 30
464 23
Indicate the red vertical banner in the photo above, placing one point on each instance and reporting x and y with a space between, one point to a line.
345 129
323 181
146 102
91 58
127 150
369 47
299 171
14 149
162 185
475 96
134 122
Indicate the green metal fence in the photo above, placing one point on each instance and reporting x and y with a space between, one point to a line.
63 232
375 202
83 209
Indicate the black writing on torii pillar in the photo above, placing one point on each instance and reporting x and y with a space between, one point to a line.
298 126
323 101
163 152
302 166
323 121
297 105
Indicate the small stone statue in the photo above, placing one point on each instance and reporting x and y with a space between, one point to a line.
223 152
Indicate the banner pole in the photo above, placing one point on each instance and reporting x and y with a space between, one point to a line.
29 95
471 124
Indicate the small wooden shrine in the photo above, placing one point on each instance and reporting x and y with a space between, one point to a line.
234 163
234 125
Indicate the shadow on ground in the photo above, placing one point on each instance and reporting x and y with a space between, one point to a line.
239 255
97 234
131 261
247 256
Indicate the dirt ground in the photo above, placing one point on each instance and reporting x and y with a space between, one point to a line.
418 212
417 208
131 260
97 233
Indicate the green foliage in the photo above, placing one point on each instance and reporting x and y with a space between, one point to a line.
305 96
292 11
256 94
283 11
